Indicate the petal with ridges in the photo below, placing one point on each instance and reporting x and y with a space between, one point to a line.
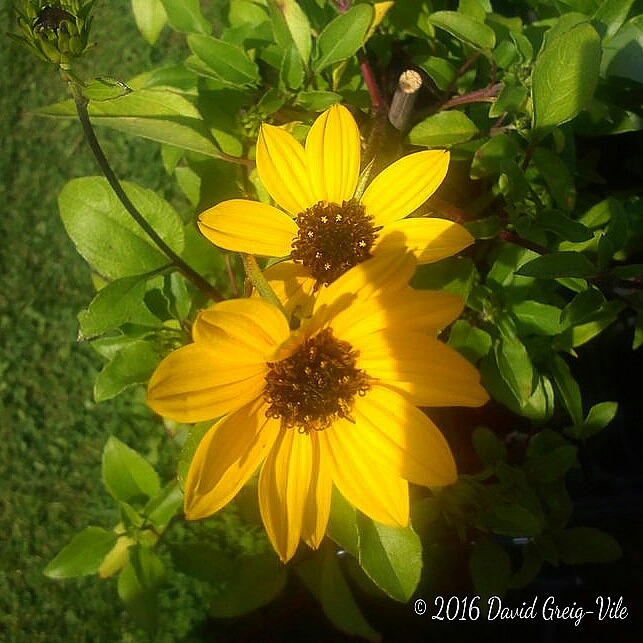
422 368
250 325
229 453
282 168
405 185
293 286
283 490
404 437
248 226
362 477
317 508
333 155
197 383
428 238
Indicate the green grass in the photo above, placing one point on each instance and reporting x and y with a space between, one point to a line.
51 431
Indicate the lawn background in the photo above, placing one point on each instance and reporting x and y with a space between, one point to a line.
51 431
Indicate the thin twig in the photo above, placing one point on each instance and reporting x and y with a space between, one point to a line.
189 273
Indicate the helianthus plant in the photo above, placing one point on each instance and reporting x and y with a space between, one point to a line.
404 250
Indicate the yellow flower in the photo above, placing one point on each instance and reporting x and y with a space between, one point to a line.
333 402
320 225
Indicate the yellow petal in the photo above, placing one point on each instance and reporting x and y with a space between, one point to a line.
333 155
248 226
405 185
403 437
229 453
388 272
429 239
249 328
197 383
283 490
281 165
293 285
317 507
406 309
364 478
424 369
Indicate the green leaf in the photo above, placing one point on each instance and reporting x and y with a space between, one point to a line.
105 234
622 54
150 18
538 318
157 114
226 61
465 28
454 274
513 519
599 416
494 155
490 570
298 26
611 14
119 302
342 37
83 555
127 474
443 128
566 228
638 332
583 307
317 101
511 99
292 72
515 366
133 364
138 586
342 524
554 465
164 505
559 264
614 237
186 16
324 579
391 557
567 387
565 76
441 71
488 446
254 582
557 176
580 545
582 333
474 343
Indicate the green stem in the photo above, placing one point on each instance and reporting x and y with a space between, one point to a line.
189 273
253 272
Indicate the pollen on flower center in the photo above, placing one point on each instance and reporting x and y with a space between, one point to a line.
333 238
316 385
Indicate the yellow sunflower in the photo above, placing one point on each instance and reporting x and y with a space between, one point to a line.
332 403
321 226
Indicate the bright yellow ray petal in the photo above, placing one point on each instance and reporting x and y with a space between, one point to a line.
197 383
293 285
248 226
283 490
281 165
389 272
252 326
333 155
424 369
428 238
362 477
405 185
317 508
406 309
403 437
229 453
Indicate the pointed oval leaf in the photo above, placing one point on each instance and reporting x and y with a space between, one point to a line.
226 61
83 555
559 264
343 36
465 28
565 76
150 18
580 545
442 129
391 557
105 234
126 473
186 16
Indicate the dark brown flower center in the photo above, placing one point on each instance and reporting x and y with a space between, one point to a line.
316 385
333 238
54 18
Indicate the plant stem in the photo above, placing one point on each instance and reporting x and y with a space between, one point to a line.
253 272
189 273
